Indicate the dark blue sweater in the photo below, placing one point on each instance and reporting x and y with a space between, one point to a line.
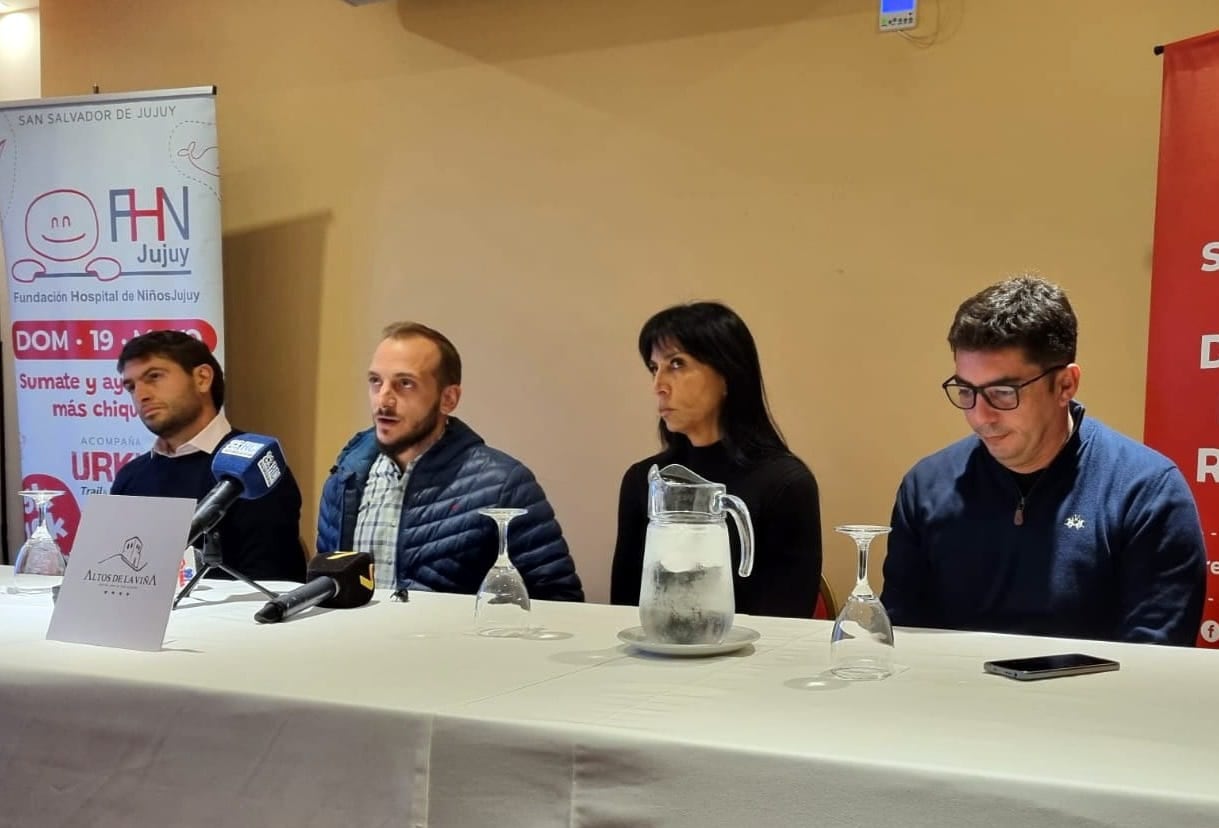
1110 547
258 538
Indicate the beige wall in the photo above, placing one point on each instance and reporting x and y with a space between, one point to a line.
19 55
535 177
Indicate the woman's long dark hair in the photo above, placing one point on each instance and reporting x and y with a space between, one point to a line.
713 334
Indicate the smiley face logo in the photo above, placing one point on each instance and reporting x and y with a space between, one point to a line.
62 225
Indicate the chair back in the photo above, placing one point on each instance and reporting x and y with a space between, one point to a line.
827 606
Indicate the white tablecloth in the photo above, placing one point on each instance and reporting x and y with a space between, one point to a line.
396 714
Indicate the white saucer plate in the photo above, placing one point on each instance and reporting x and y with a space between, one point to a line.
735 639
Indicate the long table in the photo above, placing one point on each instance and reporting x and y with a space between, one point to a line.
398 714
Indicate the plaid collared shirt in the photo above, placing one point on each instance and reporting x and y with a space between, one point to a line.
378 517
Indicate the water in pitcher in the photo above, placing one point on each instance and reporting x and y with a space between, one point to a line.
686 593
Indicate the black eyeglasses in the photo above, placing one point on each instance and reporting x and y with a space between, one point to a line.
1001 396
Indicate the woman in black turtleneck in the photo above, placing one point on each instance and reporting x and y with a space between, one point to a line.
714 420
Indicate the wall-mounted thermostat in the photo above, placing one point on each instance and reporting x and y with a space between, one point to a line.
898 14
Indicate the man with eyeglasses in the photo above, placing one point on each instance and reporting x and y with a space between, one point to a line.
1043 522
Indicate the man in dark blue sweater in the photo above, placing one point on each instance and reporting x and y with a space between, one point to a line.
1043 522
178 387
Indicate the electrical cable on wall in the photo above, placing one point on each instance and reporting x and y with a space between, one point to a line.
928 40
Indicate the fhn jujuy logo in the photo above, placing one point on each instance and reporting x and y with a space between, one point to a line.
65 235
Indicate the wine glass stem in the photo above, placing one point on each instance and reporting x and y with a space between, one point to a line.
503 559
861 578
43 505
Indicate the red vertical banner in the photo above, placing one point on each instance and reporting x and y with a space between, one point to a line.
1182 417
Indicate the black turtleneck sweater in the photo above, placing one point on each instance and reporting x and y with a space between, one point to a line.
781 494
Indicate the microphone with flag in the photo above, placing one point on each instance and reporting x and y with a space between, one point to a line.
341 580
246 467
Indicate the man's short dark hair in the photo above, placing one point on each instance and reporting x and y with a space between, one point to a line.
448 372
178 347
1026 312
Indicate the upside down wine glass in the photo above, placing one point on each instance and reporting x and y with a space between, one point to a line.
40 562
861 645
501 608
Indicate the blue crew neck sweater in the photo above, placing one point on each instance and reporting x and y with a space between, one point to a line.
1109 545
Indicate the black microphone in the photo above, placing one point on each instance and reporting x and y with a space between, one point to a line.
246 466
342 580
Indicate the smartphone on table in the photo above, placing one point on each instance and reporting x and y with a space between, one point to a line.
1051 666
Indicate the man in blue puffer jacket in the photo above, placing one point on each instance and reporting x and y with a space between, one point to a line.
408 490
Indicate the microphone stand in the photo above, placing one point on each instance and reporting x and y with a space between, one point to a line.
211 560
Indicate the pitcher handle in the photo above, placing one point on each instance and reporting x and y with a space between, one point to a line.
734 506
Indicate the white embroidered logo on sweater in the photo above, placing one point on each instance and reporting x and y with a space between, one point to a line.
1075 522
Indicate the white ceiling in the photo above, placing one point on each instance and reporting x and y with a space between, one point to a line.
17 5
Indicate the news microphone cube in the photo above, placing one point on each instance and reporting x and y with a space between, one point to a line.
254 461
351 571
